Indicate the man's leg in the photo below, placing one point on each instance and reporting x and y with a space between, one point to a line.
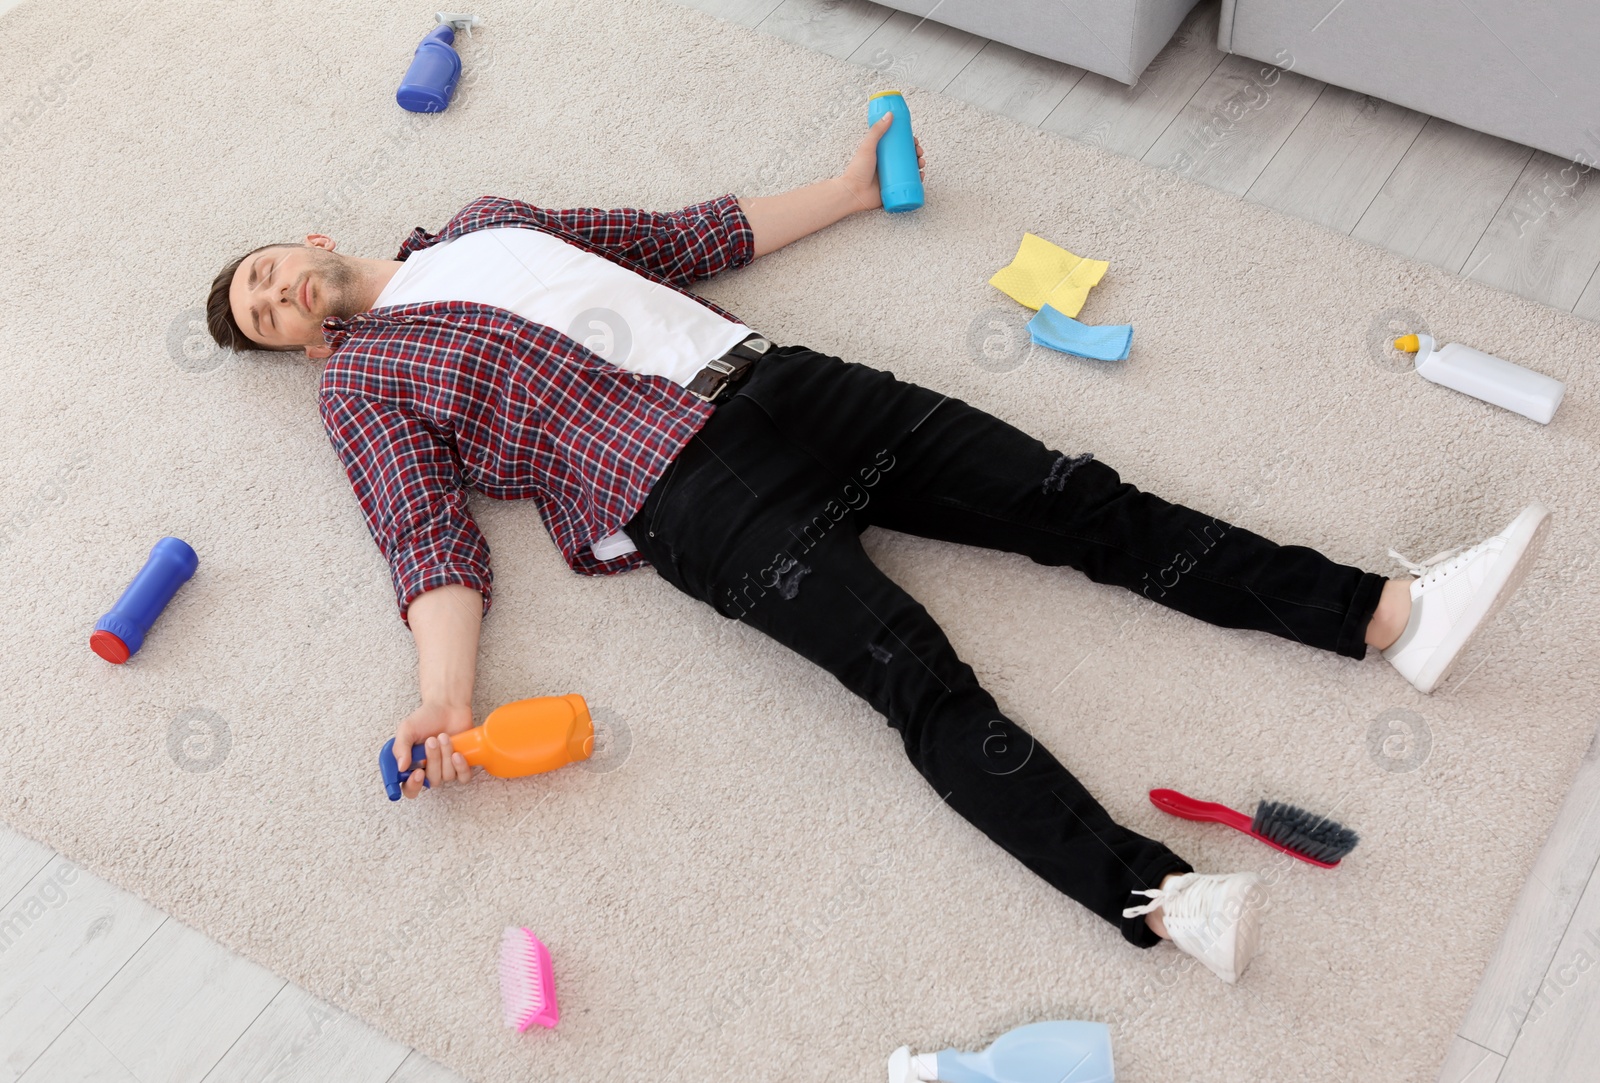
963 475
754 525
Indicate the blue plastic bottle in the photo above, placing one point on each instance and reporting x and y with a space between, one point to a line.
430 81
120 633
899 181
1059 1051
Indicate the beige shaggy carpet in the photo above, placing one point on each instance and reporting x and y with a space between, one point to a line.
750 881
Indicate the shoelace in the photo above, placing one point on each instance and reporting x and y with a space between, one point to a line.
1160 897
1422 568
1439 565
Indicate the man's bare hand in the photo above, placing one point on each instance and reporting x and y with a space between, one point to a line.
432 724
861 175
781 219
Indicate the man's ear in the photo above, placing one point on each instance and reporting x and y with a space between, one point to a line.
319 353
320 240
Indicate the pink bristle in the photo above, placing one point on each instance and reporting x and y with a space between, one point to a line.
527 985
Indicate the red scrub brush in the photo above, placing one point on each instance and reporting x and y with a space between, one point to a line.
1316 840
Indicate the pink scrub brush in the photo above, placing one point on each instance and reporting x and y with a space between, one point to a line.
527 986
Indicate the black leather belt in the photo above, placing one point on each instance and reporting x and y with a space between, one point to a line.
718 380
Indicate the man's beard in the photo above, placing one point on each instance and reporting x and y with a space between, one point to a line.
337 283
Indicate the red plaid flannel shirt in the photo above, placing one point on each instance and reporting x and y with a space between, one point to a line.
424 401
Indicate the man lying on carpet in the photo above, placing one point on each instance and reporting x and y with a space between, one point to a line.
745 472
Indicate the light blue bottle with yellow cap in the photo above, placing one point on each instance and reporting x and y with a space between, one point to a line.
899 180
1058 1051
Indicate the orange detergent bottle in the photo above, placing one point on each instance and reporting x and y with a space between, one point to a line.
526 737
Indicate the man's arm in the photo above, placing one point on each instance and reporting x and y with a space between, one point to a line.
406 482
777 220
445 623
701 241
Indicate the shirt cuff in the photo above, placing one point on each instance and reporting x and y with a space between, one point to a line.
738 223
406 591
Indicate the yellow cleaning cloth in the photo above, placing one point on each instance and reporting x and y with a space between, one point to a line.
1045 273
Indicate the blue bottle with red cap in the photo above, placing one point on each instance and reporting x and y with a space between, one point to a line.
120 633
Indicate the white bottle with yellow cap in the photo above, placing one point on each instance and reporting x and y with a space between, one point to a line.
1485 376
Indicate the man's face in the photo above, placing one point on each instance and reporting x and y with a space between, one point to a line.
281 295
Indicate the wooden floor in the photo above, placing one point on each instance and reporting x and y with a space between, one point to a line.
96 986
1496 212
1536 1018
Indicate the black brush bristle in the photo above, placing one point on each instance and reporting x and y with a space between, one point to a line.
1299 830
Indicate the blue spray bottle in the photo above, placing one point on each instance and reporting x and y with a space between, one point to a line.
1060 1051
899 180
431 78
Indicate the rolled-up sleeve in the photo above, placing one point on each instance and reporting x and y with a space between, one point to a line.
682 247
408 485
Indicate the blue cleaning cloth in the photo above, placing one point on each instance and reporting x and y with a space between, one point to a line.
1061 332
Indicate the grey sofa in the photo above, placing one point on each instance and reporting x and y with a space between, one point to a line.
1115 38
1525 70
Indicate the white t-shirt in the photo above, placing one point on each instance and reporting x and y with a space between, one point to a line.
622 316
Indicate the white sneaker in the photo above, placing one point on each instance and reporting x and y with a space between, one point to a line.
1457 591
1217 919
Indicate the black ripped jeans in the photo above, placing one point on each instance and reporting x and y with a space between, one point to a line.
760 516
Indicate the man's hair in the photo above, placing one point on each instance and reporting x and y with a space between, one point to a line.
219 314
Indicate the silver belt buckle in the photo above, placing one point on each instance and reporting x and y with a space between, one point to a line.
721 368
757 344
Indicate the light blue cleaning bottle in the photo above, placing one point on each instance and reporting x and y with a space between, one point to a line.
899 180
1059 1051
